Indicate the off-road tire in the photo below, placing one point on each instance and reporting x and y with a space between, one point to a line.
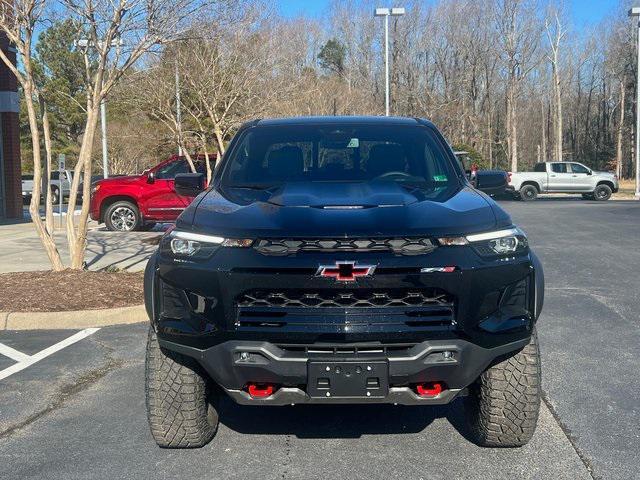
127 223
528 193
179 401
503 404
602 193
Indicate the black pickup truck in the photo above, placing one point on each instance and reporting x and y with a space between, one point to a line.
342 260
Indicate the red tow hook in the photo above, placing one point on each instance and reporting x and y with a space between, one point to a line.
260 390
430 389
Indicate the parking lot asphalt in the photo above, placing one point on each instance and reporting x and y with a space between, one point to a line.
79 412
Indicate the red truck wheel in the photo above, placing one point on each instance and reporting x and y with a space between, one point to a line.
122 217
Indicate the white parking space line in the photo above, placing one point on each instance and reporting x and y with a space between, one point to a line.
12 353
31 359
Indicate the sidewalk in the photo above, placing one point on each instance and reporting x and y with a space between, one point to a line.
21 250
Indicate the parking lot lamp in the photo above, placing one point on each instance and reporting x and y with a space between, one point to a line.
635 13
386 12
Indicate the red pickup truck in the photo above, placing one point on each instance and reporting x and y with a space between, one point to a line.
138 202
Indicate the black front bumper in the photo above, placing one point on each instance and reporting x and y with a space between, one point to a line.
490 310
234 364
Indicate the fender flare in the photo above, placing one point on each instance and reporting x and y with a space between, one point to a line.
149 287
539 284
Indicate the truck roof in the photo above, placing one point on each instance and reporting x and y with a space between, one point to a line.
343 119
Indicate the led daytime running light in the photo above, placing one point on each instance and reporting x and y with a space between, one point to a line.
197 237
479 237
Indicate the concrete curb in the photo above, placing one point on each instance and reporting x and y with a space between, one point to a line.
72 320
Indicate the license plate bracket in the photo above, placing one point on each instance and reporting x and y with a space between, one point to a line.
347 379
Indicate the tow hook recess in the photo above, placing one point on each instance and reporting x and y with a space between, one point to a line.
430 389
260 390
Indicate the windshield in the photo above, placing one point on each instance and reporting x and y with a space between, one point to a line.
270 156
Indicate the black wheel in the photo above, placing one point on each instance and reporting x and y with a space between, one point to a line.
55 195
602 193
528 193
178 399
588 196
503 404
122 217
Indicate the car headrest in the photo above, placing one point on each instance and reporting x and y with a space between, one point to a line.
286 163
385 158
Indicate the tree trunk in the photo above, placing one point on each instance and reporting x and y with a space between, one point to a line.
77 239
558 120
217 132
189 159
207 163
490 139
620 131
34 207
512 128
46 130
543 111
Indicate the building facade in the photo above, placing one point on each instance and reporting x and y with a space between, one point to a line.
10 168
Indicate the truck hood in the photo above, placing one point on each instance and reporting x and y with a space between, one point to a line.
601 173
116 180
342 210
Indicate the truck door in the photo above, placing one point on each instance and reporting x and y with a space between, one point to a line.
559 177
581 178
161 202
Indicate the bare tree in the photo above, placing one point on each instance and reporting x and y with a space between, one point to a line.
228 74
516 23
555 35
153 92
19 20
482 82
117 35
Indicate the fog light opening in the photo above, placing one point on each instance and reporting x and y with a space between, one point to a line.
430 389
261 390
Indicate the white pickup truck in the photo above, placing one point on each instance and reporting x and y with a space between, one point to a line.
563 177
60 182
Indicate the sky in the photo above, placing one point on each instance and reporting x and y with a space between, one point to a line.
584 12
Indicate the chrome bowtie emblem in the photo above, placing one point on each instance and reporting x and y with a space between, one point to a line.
345 271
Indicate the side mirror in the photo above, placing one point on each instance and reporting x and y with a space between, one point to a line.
151 177
189 184
491 182
589 172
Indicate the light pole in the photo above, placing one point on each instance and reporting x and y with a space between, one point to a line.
103 126
635 12
386 13
86 43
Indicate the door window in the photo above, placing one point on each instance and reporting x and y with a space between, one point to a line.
170 170
559 167
577 168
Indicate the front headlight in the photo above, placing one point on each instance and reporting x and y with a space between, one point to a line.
490 244
197 246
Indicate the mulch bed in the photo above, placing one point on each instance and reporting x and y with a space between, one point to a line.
69 290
